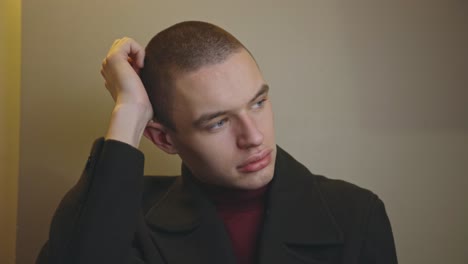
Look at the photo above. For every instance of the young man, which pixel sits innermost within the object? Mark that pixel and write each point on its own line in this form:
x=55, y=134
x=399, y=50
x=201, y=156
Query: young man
x=197, y=92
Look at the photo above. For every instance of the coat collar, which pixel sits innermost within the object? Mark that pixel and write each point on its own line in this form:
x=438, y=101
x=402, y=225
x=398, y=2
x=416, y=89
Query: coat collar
x=186, y=228
x=181, y=208
x=296, y=200
x=296, y=214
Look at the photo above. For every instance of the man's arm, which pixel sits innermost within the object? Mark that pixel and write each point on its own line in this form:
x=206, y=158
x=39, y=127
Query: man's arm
x=97, y=219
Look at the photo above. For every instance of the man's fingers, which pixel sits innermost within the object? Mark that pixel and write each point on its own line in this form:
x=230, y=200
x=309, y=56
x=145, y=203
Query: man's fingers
x=102, y=68
x=125, y=48
x=135, y=52
x=135, y=67
x=115, y=42
x=106, y=84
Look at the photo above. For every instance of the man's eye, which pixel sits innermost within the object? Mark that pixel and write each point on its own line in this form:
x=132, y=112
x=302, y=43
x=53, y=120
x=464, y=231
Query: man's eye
x=260, y=103
x=217, y=125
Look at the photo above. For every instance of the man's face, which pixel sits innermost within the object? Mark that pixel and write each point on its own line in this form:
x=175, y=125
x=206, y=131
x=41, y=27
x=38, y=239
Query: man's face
x=224, y=123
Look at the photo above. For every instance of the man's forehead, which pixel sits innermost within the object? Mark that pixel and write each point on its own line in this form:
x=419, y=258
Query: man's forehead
x=195, y=104
x=232, y=82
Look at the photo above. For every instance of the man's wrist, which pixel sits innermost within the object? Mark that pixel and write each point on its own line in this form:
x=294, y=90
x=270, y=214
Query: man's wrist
x=128, y=123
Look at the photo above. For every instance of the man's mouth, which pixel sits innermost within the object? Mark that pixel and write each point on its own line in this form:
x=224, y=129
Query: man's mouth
x=256, y=162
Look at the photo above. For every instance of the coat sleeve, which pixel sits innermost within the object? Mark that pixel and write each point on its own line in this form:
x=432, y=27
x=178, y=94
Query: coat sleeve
x=96, y=220
x=379, y=245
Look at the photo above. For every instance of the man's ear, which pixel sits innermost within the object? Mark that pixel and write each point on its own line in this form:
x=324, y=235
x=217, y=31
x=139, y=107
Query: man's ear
x=158, y=134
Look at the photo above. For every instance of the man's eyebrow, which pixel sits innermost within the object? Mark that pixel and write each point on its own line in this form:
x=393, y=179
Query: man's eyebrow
x=209, y=116
x=263, y=90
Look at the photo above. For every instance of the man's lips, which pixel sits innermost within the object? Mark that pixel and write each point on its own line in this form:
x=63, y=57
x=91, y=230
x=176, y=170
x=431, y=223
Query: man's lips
x=256, y=162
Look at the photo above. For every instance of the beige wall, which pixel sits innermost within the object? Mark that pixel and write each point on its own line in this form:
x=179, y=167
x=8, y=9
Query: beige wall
x=10, y=47
x=373, y=92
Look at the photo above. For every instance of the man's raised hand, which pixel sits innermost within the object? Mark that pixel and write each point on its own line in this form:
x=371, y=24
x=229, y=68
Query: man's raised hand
x=132, y=109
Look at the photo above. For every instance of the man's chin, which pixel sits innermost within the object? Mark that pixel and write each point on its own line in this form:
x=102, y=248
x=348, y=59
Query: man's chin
x=256, y=180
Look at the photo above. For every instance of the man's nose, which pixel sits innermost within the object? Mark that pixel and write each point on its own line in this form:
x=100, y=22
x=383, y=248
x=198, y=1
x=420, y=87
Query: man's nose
x=248, y=133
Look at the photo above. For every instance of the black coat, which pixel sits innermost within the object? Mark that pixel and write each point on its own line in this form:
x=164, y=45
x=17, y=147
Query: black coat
x=115, y=215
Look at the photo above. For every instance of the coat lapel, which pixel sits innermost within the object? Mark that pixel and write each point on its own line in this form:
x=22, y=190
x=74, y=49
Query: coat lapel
x=186, y=228
x=298, y=227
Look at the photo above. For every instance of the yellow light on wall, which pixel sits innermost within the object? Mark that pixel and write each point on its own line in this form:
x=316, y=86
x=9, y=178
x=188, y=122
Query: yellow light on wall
x=10, y=79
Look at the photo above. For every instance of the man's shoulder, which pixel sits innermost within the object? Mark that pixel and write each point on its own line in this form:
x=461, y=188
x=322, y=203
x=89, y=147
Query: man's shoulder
x=334, y=189
x=343, y=199
x=339, y=210
x=337, y=189
x=350, y=204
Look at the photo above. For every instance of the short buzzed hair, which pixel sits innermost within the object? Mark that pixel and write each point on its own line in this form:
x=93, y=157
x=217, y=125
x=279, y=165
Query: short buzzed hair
x=181, y=48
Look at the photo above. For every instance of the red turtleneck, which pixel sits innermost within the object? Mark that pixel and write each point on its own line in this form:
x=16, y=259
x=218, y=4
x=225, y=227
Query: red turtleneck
x=242, y=213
